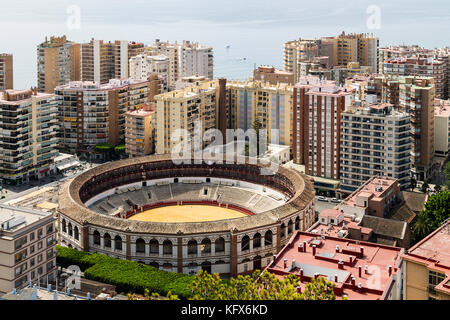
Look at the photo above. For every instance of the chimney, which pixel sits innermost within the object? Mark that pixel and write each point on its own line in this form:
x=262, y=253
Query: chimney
x=293, y=263
x=285, y=263
x=366, y=269
x=340, y=264
x=300, y=247
x=301, y=275
x=304, y=246
x=360, y=271
x=360, y=287
x=350, y=259
x=314, y=250
x=390, y=270
x=337, y=248
x=361, y=250
x=335, y=278
x=353, y=281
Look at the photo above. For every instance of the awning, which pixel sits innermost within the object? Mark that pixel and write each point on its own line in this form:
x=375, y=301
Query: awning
x=68, y=165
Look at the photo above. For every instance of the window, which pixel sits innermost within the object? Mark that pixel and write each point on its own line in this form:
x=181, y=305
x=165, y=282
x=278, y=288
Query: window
x=20, y=256
x=49, y=253
x=40, y=234
x=40, y=245
x=32, y=262
x=50, y=228
x=19, y=243
x=20, y=269
x=40, y=270
x=49, y=265
x=39, y=258
x=32, y=236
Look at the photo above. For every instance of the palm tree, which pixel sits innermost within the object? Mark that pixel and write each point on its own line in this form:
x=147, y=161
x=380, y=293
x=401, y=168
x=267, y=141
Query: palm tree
x=422, y=226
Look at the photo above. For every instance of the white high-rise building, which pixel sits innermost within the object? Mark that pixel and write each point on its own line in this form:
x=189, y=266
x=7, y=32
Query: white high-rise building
x=142, y=65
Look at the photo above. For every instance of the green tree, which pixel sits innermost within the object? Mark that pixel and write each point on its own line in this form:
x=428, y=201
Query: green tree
x=447, y=174
x=437, y=210
x=257, y=126
x=259, y=286
x=413, y=184
x=425, y=187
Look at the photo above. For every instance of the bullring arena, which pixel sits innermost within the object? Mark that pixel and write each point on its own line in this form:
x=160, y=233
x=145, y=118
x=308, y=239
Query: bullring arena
x=222, y=218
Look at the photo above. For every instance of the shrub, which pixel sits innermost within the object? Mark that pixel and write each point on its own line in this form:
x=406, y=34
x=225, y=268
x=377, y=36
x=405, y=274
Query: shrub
x=127, y=276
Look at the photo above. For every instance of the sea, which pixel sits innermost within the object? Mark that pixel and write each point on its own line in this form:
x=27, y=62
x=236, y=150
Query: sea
x=243, y=33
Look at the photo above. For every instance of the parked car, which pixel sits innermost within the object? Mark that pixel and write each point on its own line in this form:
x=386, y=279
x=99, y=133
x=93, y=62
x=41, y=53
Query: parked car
x=335, y=200
x=322, y=198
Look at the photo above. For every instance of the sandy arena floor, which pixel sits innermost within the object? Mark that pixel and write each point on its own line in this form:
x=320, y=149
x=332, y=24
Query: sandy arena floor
x=187, y=213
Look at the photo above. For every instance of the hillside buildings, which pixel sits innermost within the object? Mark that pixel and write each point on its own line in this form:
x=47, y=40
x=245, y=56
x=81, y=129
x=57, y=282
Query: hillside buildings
x=28, y=135
x=91, y=113
x=375, y=141
x=58, y=62
x=27, y=239
x=6, y=71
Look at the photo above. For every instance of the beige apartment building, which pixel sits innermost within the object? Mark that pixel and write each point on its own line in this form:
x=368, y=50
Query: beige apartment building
x=27, y=248
x=58, y=62
x=417, y=98
x=182, y=109
x=423, y=67
x=143, y=65
x=375, y=141
x=28, y=135
x=90, y=113
x=317, y=109
x=270, y=104
x=273, y=75
x=442, y=128
x=427, y=267
x=6, y=71
x=139, y=129
x=340, y=50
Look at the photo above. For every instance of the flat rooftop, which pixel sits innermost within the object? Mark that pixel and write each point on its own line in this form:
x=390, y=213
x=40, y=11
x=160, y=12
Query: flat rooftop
x=363, y=261
x=15, y=218
x=373, y=188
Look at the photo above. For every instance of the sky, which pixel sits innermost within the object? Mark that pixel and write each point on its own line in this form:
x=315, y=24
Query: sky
x=254, y=30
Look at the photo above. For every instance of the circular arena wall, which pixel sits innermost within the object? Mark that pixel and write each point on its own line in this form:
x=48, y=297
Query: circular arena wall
x=230, y=246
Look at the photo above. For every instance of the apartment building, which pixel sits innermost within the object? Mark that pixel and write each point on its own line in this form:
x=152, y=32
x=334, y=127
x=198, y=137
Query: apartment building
x=183, y=109
x=423, y=67
x=317, y=109
x=6, y=71
x=417, y=98
x=341, y=73
x=185, y=59
x=142, y=65
x=102, y=61
x=90, y=113
x=28, y=135
x=270, y=105
x=27, y=242
x=427, y=267
x=340, y=50
x=58, y=62
x=139, y=129
x=375, y=141
x=377, y=87
x=429, y=64
x=273, y=75
x=442, y=127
